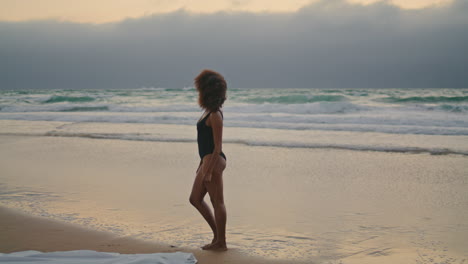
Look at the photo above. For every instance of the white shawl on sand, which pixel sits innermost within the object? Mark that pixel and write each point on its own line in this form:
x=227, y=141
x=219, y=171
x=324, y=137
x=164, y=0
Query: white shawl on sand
x=89, y=256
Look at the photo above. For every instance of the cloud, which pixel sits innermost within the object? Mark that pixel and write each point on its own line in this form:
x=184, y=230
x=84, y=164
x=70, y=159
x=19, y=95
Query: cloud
x=330, y=43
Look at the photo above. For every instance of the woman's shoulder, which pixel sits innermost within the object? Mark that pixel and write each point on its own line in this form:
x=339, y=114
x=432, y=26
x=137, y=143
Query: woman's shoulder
x=218, y=113
x=216, y=116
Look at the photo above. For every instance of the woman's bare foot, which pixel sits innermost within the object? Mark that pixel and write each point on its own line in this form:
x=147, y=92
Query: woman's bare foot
x=207, y=245
x=216, y=246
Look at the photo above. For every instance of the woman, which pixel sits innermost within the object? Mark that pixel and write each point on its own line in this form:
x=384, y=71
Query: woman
x=211, y=88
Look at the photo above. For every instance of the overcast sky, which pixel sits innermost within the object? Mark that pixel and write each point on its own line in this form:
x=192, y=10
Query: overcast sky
x=329, y=43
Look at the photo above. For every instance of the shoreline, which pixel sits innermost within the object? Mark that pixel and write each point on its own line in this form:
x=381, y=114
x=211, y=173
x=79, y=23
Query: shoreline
x=21, y=232
x=361, y=141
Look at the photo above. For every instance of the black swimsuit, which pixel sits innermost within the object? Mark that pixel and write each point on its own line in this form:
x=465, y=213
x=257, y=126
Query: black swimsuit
x=205, y=138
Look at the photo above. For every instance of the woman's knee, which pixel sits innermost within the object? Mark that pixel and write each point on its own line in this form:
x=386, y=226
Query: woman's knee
x=219, y=208
x=217, y=202
x=194, y=201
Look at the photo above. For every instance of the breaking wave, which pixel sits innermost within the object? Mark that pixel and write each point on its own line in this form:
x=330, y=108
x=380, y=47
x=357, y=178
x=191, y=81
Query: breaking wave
x=426, y=99
x=59, y=99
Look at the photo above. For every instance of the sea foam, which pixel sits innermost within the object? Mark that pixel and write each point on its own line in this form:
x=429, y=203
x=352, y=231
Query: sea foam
x=393, y=111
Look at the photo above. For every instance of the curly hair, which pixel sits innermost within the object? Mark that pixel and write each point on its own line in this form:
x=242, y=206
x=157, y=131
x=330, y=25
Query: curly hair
x=211, y=88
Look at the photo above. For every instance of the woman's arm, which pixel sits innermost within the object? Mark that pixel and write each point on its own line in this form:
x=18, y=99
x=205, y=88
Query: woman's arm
x=216, y=123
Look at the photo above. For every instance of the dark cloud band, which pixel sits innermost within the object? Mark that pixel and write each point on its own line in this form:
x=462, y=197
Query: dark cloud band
x=326, y=44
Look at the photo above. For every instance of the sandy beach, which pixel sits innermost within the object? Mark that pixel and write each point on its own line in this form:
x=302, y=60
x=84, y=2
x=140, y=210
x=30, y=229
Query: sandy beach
x=284, y=205
x=20, y=232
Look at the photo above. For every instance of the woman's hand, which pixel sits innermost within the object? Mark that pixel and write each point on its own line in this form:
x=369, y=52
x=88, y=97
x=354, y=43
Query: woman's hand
x=208, y=172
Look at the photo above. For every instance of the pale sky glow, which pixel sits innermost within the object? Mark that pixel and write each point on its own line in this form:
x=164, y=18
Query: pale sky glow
x=102, y=11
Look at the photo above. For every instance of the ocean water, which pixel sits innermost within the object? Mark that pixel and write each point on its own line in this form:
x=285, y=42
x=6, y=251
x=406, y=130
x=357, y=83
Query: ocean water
x=398, y=120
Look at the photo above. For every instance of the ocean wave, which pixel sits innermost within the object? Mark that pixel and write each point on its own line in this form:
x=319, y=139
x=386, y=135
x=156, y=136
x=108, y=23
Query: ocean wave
x=380, y=128
x=308, y=108
x=295, y=99
x=395, y=149
x=59, y=99
x=86, y=109
x=436, y=125
x=454, y=108
x=107, y=107
x=255, y=143
x=441, y=108
x=355, y=110
x=425, y=99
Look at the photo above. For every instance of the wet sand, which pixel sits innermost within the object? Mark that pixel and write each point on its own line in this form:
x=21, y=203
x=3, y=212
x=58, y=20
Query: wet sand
x=286, y=205
x=21, y=232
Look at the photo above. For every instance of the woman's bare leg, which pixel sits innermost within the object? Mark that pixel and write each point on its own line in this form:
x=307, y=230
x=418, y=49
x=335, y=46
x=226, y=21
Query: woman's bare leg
x=196, y=199
x=215, y=190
